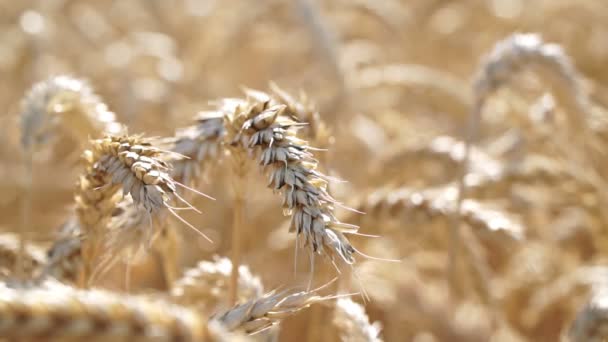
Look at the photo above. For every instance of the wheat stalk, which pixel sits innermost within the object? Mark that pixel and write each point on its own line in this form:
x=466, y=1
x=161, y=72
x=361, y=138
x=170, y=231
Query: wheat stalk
x=353, y=324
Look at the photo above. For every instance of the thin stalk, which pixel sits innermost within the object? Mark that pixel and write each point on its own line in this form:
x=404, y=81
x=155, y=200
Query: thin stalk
x=26, y=210
x=455, y=239
x=237, y=223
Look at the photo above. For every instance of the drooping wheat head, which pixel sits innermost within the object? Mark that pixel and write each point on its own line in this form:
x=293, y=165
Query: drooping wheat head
x=263, y=127
x=63, y=104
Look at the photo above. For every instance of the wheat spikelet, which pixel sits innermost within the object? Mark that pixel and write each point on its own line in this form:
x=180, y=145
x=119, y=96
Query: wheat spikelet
x=205, y=286
x=261, y=126
x=32, y=258
x=353, y=323
x=304, y=110
x=63, y=101
x=262, y=313
x=55, y=311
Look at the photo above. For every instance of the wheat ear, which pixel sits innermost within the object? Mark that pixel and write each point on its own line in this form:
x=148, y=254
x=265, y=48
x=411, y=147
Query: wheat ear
x=55, y=311
x=190, y=150
x=262, y=126
x=353, y=324
x=262, y=313
x=63, y=102
x=205, y=286
x=129, y=163
x=57, y=104
x=509, y=56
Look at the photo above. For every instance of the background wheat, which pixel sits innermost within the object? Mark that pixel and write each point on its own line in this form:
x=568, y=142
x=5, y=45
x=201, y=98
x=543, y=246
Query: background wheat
x=409, y=102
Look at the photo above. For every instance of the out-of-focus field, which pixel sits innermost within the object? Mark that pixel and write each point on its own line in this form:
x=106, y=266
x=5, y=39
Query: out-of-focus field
x=393, y=82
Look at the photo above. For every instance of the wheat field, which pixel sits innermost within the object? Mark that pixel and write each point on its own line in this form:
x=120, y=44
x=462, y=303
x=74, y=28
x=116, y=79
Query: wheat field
x=305, y=170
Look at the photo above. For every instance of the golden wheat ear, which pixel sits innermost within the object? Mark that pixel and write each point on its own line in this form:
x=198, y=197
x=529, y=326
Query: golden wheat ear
x=117, y=166
x=264, y=126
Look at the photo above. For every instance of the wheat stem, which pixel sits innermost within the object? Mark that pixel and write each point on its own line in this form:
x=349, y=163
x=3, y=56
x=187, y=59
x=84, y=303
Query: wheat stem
x=237, y=226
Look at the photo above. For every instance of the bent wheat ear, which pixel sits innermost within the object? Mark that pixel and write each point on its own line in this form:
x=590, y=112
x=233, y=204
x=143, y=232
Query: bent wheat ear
x=63, y=101
x=262, y=126
x=62, y=312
